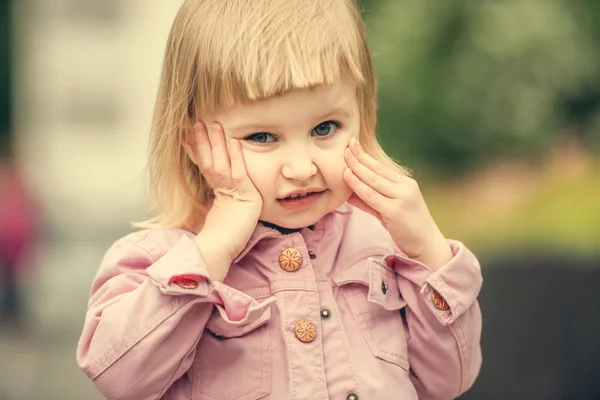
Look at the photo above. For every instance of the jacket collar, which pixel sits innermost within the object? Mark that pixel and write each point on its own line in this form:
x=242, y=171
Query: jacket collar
x=264, y=230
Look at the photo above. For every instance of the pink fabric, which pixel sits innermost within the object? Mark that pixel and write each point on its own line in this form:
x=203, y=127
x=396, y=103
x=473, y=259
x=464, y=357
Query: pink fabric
x=146, y=339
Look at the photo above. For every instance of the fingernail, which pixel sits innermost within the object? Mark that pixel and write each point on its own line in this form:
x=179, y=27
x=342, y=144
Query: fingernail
x=348, y=152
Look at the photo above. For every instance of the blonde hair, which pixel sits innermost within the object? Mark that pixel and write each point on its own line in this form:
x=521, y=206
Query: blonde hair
x=225, y=52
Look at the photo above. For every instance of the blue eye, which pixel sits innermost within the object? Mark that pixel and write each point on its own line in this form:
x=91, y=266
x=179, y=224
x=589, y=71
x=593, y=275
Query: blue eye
x=326, y=128
x=261, y=137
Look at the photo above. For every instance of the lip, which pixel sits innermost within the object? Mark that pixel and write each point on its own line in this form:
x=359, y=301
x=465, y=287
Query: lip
x=302, y=191
x=301, y=203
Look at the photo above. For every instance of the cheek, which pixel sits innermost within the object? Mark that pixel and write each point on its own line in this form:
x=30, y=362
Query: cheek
x=259, y=171
x=332, y=169
x=336, y=166
x=332, y=165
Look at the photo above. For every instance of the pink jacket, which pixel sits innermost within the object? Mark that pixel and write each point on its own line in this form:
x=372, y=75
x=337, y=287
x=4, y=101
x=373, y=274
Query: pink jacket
x=334, y=312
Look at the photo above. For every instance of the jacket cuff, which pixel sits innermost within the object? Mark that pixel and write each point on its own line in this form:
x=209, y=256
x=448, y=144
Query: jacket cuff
x=182, y=270
x=449, y=291
x=238, y=312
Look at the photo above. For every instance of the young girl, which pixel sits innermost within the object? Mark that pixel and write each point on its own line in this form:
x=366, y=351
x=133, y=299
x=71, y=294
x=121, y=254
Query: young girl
x=289, y=257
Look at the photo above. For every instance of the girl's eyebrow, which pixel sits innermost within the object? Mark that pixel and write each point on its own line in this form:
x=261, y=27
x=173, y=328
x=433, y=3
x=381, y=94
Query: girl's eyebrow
x=262, y=127
x=340, y=111
x=245, y=128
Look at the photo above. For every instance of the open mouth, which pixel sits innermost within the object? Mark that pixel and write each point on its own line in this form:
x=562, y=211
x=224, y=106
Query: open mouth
x=296, y=196
x=300, y=201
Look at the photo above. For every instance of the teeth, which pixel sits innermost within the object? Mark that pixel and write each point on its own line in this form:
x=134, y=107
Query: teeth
x=298, y=195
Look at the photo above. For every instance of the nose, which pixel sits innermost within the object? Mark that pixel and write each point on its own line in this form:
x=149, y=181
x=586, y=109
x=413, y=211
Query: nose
x=298, y=166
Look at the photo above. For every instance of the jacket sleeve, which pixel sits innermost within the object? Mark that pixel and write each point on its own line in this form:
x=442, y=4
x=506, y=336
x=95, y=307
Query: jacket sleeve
x=444, y=349
x=141, y=328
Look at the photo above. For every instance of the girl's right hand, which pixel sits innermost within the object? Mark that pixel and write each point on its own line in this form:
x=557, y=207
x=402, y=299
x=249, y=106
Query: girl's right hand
x=237, y=204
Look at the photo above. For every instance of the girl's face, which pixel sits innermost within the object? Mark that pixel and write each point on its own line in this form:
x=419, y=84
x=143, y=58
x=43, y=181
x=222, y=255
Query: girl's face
x=296, y=141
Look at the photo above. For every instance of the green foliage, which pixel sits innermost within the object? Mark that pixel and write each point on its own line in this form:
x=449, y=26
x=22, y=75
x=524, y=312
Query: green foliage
x=561, y=217
x=466, y=82
x=5, y=71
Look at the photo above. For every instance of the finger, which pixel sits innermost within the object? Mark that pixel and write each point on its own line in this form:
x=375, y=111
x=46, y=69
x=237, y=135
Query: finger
x=221, y=163
x=370, y=177
x=371, y=163
x=203, y=152
x=366, y=193
x=239, y=174
x=358, y=203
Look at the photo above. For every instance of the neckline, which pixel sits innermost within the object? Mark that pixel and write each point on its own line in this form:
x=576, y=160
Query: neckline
x=285, y=231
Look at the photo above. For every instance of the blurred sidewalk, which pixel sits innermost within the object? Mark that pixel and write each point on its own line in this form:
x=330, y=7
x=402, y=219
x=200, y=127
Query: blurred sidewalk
x=41, y=368
x=38, y=361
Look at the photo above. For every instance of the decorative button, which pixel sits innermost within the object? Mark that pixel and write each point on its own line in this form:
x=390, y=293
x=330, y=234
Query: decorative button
x=306, y=331
x=352, y=396
x=312, y=255
x=325, y=313
x=290, y=260
x=184, y=281
x=384, y=287
x=439, y=302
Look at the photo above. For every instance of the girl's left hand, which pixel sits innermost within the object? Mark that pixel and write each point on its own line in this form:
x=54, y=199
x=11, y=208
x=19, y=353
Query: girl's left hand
x=397, y=202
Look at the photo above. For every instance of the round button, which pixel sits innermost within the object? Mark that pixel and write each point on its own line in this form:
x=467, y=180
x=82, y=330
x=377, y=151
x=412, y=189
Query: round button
x=306, y=331
x=290, y=260
x=384, y=287
x=312, y=255
x=439, y=302
x=352, y=396
x=325, y=313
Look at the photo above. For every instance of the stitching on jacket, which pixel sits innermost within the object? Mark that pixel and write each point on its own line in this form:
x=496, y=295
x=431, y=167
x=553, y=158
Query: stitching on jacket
x=346, y=344
x=117, y=351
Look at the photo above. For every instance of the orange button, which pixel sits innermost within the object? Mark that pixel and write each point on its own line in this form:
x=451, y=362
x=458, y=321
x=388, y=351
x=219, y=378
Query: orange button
x=185, y=281
x=439, y=302
x=290, y=260
x=306, y=331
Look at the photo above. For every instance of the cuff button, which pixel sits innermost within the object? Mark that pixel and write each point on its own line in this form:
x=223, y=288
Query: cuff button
x=184, y=282
x=439, y=302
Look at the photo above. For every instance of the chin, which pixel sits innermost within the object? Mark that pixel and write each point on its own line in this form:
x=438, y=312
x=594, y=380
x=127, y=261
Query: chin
x=296, y=222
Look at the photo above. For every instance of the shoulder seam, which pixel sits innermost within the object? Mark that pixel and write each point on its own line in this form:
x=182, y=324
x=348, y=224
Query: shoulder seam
x=137, y=242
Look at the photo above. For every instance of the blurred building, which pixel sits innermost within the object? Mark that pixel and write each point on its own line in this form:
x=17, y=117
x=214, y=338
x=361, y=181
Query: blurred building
x=86, y=74
x=84, y=78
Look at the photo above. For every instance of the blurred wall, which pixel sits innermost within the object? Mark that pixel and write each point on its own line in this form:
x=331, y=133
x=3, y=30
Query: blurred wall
x=85, y=78
x=86, y=74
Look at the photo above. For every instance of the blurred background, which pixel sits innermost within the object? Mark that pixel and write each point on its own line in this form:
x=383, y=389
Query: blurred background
x=494, y=105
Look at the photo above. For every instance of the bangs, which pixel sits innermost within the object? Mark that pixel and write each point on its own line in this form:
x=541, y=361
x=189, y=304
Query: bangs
x=253, y=49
